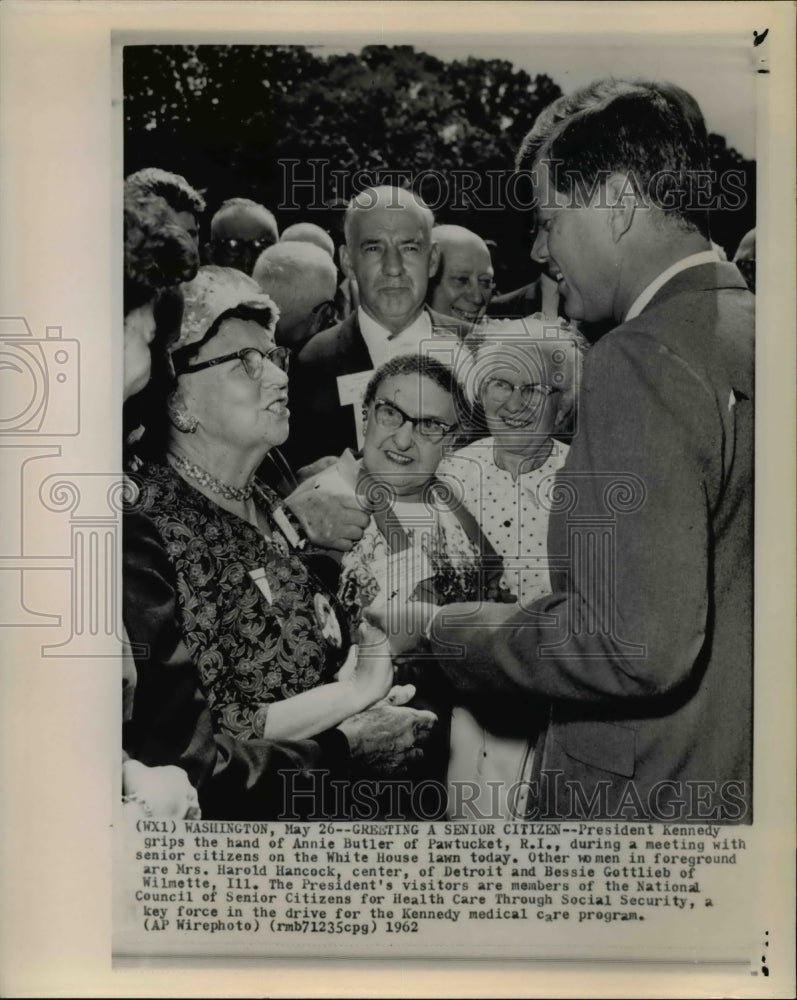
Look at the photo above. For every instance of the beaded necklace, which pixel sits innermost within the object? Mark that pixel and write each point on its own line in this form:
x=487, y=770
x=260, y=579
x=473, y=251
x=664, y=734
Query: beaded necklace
x=204, y=478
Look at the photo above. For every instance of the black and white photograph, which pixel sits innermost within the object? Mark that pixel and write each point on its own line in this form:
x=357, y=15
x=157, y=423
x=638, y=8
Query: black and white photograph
x=429, y=540
x=597, y=507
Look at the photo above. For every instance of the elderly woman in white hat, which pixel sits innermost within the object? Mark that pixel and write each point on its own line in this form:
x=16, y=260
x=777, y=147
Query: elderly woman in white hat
x=523, y=376
x=270, y=643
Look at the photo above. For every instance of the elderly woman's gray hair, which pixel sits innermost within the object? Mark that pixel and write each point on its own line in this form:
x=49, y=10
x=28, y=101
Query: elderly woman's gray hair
x=539, y=350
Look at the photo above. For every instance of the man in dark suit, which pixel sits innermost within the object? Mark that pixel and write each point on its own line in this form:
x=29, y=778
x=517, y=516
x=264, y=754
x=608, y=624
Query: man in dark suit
x=390, y=253
x=644, y=649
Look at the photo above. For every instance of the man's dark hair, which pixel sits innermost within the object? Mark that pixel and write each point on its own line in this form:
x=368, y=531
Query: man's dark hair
x=595, y=94
x=652, y=132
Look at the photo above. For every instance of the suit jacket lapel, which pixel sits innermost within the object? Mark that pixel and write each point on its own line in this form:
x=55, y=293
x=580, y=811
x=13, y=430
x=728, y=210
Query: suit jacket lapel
x=351, y=354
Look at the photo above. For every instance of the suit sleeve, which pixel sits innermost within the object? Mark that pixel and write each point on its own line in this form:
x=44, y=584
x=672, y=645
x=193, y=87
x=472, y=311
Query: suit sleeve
x=318, y=423
x=629, y=547
x=171, y=722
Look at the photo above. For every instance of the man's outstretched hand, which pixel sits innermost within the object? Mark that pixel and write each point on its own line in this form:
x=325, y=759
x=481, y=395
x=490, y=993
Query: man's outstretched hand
x=332, y=519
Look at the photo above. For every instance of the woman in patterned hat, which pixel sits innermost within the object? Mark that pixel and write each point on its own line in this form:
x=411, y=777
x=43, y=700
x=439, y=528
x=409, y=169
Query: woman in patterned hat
x=272, y=649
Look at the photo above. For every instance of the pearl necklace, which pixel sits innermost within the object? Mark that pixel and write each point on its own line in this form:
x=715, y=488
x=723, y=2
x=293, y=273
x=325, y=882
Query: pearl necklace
x=204, y=478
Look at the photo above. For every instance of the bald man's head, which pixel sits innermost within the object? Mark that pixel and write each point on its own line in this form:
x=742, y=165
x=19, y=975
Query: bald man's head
x=389, y=250
x=239, y=232
x=309, y=232
x=299, y=277
x=463, y=284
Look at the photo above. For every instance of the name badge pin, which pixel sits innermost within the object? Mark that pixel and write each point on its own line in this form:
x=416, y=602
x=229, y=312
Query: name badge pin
x=258, y=577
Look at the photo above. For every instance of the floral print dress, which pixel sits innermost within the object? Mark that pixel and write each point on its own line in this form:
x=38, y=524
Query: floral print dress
x=259, y=624
x=420, y=551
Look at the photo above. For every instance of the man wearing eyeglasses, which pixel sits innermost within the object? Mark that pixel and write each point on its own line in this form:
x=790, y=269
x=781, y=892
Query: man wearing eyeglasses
x=239, y=232
x=391, y=254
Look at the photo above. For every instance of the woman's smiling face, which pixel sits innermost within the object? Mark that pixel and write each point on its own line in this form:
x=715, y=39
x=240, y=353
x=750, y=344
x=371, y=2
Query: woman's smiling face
x=520, y=407
x=403, y=457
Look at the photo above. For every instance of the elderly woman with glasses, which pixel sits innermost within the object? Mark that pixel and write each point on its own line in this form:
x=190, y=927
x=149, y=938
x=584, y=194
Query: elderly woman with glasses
x=272, y=648
x=421, y=544
x=522, y=376
x=418, y=543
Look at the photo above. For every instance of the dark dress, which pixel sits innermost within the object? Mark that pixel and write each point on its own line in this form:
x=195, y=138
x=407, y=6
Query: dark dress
x=179, y=584
x=257, y=621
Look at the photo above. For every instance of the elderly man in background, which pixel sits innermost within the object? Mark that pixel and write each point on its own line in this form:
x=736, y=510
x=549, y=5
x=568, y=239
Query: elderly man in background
x=301, y=279
x=463, y=284
x=390, y=252
x=239, y=232
x=647, y=661
x=309, y=232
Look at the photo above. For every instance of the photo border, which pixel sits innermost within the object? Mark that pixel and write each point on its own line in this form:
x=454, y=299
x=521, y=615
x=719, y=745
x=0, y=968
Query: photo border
x=55, y=75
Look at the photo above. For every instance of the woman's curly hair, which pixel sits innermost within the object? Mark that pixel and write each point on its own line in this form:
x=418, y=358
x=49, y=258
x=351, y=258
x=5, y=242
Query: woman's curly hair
x=158, y=251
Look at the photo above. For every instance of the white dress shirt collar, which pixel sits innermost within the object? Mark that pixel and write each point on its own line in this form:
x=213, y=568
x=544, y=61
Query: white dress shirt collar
x=383, y=345
x=693, y=260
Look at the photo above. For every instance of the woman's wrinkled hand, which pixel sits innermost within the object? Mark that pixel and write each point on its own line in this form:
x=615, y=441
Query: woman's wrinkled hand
x=386, y=739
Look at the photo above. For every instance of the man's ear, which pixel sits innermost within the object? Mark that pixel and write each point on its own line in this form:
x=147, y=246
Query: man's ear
x=345, y=261
x=622, y=201
x=434, y=259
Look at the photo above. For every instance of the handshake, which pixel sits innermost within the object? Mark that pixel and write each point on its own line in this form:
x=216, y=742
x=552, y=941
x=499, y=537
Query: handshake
x=385, y=738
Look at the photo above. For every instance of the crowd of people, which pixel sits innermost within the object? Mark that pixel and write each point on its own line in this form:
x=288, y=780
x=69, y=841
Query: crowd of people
x=398, y=546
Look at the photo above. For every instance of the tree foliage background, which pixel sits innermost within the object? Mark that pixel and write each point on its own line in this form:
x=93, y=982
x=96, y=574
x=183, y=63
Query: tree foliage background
x=244, y=120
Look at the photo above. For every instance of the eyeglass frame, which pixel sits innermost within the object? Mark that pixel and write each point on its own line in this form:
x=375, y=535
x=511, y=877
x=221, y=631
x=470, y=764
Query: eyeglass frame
x=379, y=404
x=530, y=387
x=183, y=367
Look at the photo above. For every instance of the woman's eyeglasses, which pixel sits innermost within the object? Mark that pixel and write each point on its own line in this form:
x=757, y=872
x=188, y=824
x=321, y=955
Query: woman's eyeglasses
x=253, y=360
x=499, y=390
x=389, y=415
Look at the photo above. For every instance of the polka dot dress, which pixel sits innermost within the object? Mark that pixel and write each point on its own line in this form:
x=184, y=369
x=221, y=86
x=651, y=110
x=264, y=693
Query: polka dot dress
x=510, y=512
x=513, y=515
